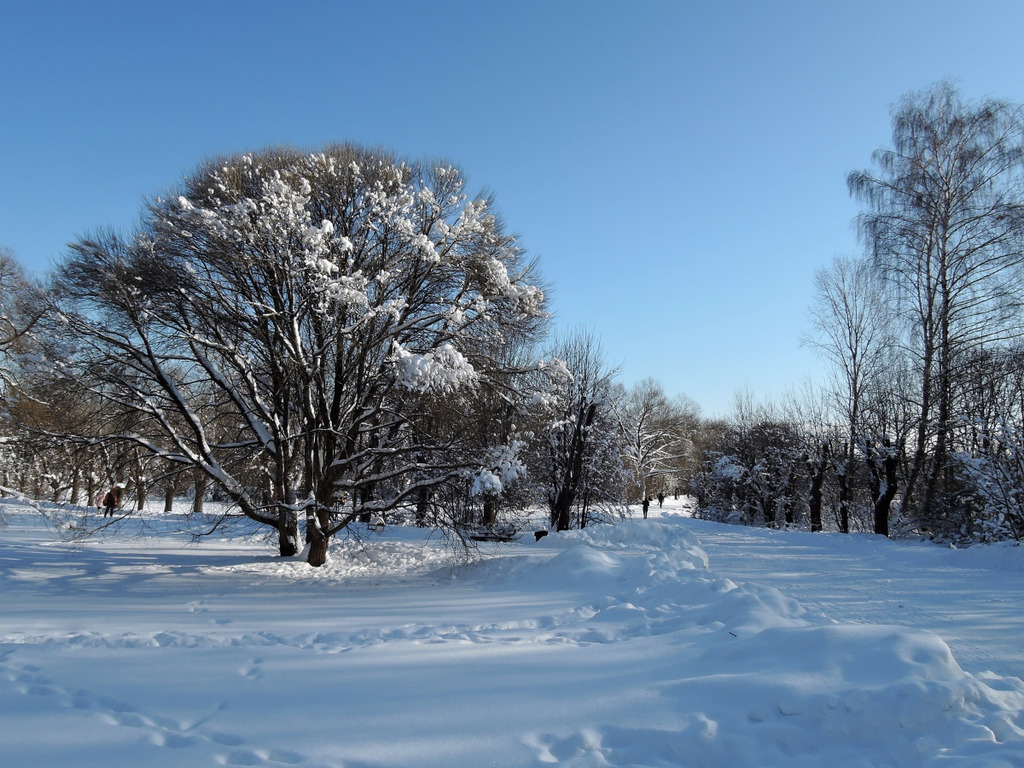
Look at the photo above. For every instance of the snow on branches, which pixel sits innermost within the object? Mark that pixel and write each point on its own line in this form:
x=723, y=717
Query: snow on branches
x=392, y=220
x=442, y=371
x=504, y=467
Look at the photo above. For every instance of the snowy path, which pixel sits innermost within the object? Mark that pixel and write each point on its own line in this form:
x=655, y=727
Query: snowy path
x=956, y=594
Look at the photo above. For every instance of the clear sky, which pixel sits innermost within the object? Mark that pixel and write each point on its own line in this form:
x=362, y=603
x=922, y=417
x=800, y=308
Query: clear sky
x=679, y=167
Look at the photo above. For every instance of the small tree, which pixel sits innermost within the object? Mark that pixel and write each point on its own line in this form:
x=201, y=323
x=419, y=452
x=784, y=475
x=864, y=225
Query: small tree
x=21, y=306
x=993, y=486
x=578, y=453
x=851, y=330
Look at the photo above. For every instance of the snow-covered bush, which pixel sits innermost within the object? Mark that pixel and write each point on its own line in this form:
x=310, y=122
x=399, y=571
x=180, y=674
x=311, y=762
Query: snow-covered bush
x=759, y=478
x=718, y=489
x=991, y=503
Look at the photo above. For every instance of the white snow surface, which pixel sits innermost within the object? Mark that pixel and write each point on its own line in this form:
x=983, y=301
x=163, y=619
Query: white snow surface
x=661, y=642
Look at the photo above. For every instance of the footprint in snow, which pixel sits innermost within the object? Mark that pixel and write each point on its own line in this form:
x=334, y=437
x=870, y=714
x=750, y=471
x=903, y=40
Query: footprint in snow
x=163, y=732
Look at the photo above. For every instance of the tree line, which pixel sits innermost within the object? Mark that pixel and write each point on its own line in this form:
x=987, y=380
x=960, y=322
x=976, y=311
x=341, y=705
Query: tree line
x=330, y=337
x=919, y=427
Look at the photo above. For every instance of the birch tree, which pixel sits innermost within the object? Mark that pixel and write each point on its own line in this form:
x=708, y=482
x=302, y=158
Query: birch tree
x=851, y=330
x=945, y=223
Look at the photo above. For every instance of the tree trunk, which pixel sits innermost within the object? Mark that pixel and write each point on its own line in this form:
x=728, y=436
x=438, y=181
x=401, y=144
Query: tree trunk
x=845, y=496
x=76, y=488
x=560, y=510
x=317, y=523
x=845, y=490
x=287, y=532
x=200, y=491
x=889, y=464
x=490, y=512
x=422, y=506
x=365, y=497
x=317, y=555
x=929, y=502
x=90, y=490
x=817, y=481
x=921, y=446
x=883, y=465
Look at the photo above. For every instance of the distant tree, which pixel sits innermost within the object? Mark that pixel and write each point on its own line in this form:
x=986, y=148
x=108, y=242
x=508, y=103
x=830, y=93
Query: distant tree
x=686, y=460
x=945, y=224
x=851, y=329
x=494, y=415
x=578, y=455
x=758, y=472
x=989, y=456
x=776, y=477
x=708, y=439
x=990, y=391
x=655, y=431
x=758, y=478
x=304, y=313
x=810, y=414
x=992, y=492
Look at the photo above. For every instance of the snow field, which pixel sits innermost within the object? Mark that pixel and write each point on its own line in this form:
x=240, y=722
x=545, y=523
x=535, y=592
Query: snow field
x=615, y=646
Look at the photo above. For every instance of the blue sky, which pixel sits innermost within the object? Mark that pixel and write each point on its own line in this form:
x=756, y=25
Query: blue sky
x=679, y=167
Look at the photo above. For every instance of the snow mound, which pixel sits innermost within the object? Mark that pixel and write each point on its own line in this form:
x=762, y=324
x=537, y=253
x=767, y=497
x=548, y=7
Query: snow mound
x=378, y=560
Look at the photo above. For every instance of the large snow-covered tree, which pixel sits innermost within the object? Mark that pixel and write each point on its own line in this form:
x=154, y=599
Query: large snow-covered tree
x=306, y=315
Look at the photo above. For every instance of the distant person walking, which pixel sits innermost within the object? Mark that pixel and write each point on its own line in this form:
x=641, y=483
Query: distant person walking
x=647, y=504
x=112, y=499
x=661, y=499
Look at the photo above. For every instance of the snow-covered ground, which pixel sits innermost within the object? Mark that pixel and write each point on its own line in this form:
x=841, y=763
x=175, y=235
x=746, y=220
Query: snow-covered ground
x=659, y=642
